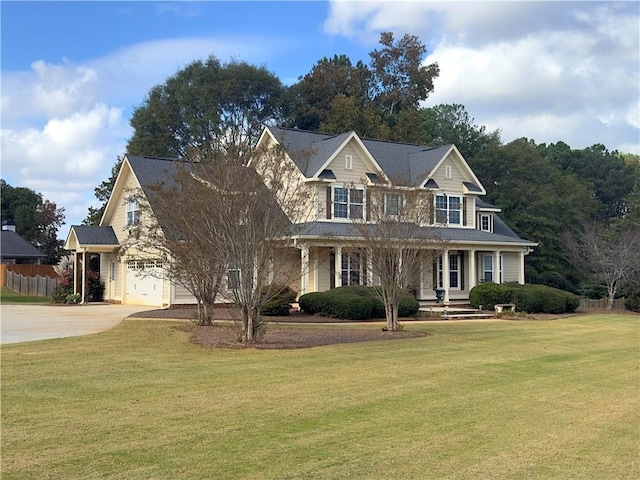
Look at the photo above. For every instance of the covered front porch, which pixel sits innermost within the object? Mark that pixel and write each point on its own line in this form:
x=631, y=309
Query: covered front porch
x=454, y=271
x=84, y=241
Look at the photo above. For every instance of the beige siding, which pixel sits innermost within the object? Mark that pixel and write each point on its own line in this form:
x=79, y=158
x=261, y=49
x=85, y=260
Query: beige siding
x=360, y=166
x=118, y=219
x=182, y=296
x=449, y=185
x=324, y=270
x=510, y=266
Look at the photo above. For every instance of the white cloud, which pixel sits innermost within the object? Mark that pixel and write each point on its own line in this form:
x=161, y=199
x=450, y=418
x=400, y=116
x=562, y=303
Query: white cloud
x=546, y=70
x=64, y=124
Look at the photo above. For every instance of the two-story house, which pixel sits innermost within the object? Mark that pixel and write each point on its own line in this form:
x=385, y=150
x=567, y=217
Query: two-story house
x=338, y=170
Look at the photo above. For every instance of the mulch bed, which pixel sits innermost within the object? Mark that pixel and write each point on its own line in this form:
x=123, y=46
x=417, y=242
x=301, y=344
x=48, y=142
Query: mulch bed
x=277, y=336
x=290, y=337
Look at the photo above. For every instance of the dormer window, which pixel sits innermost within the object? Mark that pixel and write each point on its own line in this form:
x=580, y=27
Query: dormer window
x=485, y=223
x=348, y=162
x=448, y=209
x=133, y=211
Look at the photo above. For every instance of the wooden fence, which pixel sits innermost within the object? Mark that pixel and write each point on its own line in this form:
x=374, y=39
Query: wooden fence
x=618, y=303
x=35, y=286
x=26, y=270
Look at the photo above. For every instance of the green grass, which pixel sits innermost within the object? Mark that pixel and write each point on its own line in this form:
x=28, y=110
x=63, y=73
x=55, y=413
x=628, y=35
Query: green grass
x=9, y=297
x=525, y=399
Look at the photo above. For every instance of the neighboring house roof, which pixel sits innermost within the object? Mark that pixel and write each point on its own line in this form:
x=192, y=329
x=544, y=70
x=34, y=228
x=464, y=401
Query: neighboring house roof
x=14, y=246
x=503, y=235
x=403, y=163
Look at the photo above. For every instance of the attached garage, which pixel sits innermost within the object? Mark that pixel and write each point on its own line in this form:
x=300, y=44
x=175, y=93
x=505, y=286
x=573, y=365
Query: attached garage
x=144, y=283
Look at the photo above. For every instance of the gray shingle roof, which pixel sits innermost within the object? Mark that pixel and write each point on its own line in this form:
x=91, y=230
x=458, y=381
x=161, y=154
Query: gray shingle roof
x=346, y=230
x=90, y=235
x=14, y=246
x=403, y=163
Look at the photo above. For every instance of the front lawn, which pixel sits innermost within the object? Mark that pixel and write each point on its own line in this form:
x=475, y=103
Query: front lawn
x=524, y=399
x=9, y=297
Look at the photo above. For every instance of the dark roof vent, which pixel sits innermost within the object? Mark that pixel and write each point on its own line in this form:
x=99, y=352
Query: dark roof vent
x=431, y=183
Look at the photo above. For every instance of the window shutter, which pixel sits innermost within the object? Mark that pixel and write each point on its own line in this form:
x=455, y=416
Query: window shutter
x=367, y=205
x=464, y=211
x=329, y=202
x=434, y=271
x=462, y=258
x=332, y=268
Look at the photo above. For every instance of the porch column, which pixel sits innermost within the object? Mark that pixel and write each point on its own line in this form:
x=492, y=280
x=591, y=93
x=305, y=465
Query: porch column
x=496, y=266
x=76, y=272
x=369, y=268
x=521, y=270
x=338, y=266
x=83, y=299
x=473, y=277
x=304, y=267
x=445, y=274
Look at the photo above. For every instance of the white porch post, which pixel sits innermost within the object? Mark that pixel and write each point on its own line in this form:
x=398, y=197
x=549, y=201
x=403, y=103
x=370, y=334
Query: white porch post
x=445, y=274
x=473, y=277
x=304, y=266
x=369, y=268
x=76, y=273
x=496, y=266
x=521, y=270
x=83, y=299
x=338, y=266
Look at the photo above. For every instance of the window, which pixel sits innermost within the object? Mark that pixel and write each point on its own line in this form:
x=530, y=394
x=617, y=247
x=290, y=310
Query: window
x=348, y=202
x=392, y=202
x=448, y=209
x=488, y=274
x=133, y=211
x=352, y=269
x=233, y=276
x=485, y=223
x=454, y=271
x=348, y=162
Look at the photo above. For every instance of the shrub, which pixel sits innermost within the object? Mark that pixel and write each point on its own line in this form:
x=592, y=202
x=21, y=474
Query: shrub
x=527, y=298
x=632, y=299
x=95, y=288
x=65, y=287
x=353, y=303
x=280, y=304
x=553, y=279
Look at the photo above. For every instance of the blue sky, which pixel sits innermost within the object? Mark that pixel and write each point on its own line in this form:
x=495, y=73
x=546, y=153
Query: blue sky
x=73, y=71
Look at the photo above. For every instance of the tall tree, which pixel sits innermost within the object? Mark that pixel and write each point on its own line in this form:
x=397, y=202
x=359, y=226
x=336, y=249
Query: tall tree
x=537, y=200
x=312, y=99
x=205, y=109
x=451, y=123
x=400, y=80
x=36, y=219
x=103, y=192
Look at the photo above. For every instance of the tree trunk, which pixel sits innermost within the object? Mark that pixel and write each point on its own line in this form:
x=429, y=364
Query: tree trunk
x=245, y=324
x=391, y=311
x=612, y=296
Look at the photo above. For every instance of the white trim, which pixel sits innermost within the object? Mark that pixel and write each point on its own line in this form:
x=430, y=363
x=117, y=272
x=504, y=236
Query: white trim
x=348, y=162
x=465, y=166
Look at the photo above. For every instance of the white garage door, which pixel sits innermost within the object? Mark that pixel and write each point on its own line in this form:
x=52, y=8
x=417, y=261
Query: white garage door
x=144, y=283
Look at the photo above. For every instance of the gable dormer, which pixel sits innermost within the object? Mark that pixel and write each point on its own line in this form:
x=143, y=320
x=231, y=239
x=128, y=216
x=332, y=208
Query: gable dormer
x=485, y=216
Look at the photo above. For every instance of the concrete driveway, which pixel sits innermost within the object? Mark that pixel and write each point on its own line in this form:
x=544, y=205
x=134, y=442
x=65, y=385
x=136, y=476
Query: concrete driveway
x=26, y=323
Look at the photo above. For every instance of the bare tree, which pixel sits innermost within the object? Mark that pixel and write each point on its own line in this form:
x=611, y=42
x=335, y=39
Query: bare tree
x=176, y=228
x=611, y=257
x=253, y=208
x=398, y=236
x=213, y=221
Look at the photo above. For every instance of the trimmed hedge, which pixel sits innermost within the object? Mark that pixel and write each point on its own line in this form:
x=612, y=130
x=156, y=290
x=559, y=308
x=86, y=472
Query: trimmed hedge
x=353, y=303
x=527, y=298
